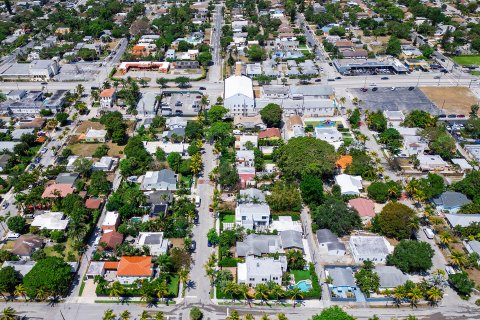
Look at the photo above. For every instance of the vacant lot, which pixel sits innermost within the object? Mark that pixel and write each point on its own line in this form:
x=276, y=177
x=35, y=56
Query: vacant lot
x=82, y=128
x=466, y=60
x=451, y=99
x=87, y=149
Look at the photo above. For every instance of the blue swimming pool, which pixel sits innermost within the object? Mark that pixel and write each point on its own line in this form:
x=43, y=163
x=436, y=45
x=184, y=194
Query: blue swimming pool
x=304, y=285
x=325, y=124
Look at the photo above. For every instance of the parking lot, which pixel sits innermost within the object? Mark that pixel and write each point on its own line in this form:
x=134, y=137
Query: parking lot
x=182, y=104
x=399, y=99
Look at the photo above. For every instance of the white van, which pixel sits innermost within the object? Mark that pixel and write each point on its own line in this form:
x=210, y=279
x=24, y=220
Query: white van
x=429, y=233
x=198, y=201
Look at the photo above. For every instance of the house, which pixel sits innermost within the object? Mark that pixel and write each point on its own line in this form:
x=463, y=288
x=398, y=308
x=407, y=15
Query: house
x=57, y=190
x=472, y=246
x=394, y=118
x=67, y=178
x=409, y=51
x=165, y=179
x=95, y=268
x=364, y=207
x=431, y=163
x=251, y=216
x=373, y=248
x=292, y=240
x=261, y=270
x=330, y=135
x=413, y=145
x=450, y=201
x=93, y=135
x=241, y=141
x=247, y=176
x=168, y=147
x=285, y=223
x=71, y=162
x=462, y=164
x=270, y=134
x=251, y=195
x=187, y=64
x=50, y=220
x=390, y=277
x=155, y=241
x=349, y=185
x=259, y=245
x=107, y=98
x=253, y=122
x=176, y=123
x=238, y=96
x=8, y=145
x=4, y=161
x=342, y=280
x=170, y=54
x=105, y=164
x=295, y=127
x=111, y=221
x=131, y=269
x=463, y=220
x=93, y=203
x=22, y=266
x=344, y=161
x=110, y=240
x=246, y=158
x=18, y=133
x=26, y=244
x=329, y=241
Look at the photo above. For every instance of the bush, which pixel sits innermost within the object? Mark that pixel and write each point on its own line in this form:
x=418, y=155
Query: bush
x=462, y=283
x=16, y=224
x=196, y=314
x=228, y=262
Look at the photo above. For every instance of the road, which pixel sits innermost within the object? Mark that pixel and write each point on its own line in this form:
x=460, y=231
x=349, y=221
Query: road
x=199, y=289
x=215, y=70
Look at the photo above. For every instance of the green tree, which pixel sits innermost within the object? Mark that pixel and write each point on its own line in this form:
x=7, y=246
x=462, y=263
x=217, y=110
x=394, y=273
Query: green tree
x=354, y=118
x=87, y=54
x=109, y=315
x=16, y=224
x=311, y=188
x=346, y=219
x=213, y=237
x=284, y=197
x=182, y=82
x=174, y=160
x=205, y=58
x=367, y=280
x=419, y=119
x=305, y=156
x=383, y=191
x=256, y=53
x=216, y=113
x=228, y=175
x=295, y=260
x=196, y=314
x=398, y=221
x=101, y=151
x=51, y=275
x=393, y=46
x=411, y=256
x=99, y=185
x=272, y=115
x=162, y=82
x=62, y=118
x=9, y=279
x=160, y=154
x=333, y=313
x=8, y=314
x=377, y=121
x=462, y=283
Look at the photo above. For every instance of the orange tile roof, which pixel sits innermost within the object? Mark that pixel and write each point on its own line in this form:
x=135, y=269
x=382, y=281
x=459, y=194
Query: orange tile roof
x=344, y=161
x=110, y=265
x=107, y=93
x=112, y=239
x=63, y=189
x=269, y=133
x=93, y=203
x=135, y=267
x=41, y=139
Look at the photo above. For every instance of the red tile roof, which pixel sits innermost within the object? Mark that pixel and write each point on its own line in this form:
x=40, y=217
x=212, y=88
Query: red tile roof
x=110, y=265
x=63, y=190
x=112, y=239
x=135, y=267
x=107, y=93
x=93, y=203
x=365, y=207
x=270, y=133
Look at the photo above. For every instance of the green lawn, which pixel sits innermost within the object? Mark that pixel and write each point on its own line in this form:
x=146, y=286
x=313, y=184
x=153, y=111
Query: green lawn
x=300, y=275
x=475, y=73
x=228, y=218
x=466, y=60
x=173, y=286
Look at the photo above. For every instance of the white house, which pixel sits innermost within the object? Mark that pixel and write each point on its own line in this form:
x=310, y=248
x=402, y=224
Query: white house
x=328, y=241
x=163, y=180
x=261, y=270
x=238, y=96
x=93, y=135
x=107, y=98
x=330, y=135
x=111, y=221
x=250, y=215
x=105, y=164
x=50, y=220
x=168, y=147
x=374, y=248
x=431, y=162
x=243, y=139
x=349, y=185
x=155, y=241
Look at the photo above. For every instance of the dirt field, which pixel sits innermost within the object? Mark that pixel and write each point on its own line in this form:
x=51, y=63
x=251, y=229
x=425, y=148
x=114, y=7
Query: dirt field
x=82, y=128
x=451, y=99
x=87, y=149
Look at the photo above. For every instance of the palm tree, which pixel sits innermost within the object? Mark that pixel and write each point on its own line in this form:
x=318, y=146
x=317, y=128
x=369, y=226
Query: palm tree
x=445, y=238
x=108, y=315
x=243, y=290
x=20, y=291
x=262, y=292
x=415, y=295
x=159, y=316
x=342, y=100
x=125, y=315
x=145, y=315
x=8, y=314
x=265, y=317
x=458, y=258
x=277, y=291
x=249, y=316
x=434, y=294
x=295, y=294
x=116, y=290
x=233, y=315
x=41, y=294
x=161, y=289
x=183, y=278
x=282, y=316
x=79, y=90
x=231, y=289
x=399, y=294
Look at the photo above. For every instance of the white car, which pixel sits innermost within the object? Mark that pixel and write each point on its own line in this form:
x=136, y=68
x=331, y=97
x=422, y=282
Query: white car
x=44, y=150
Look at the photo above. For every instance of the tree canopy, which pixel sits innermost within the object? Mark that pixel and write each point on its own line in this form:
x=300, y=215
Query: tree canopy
x=305, y=156
x=411, y=256
x=377, y=121
x=382, y=191
x=333, y=313
x=272, y=115
x=284, y=197
x=470, y=186
x=419, y=119
x=9, y=279
x=346, y=219
x=397, y=221
x=311, y=188
x=51, y=275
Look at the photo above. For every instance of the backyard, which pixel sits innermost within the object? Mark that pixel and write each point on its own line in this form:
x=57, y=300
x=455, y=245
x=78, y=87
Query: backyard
x=467, y=60
x=88, y=149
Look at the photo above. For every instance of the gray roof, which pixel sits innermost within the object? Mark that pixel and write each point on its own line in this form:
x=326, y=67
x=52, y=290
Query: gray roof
x=326, y=236
x=366, y=245
x=254, y=208
x=336, y=246
x=450, y=199
x=312, y=90
x=257, y=245
x=18, y=133
x=178, y=131
x=291, y=239
x=463, y=220
x=342, y=277
x=21, y=266
x=66, y=178
x=8, y=145
x=390, y=277
x=161, y=180
x=253, y=193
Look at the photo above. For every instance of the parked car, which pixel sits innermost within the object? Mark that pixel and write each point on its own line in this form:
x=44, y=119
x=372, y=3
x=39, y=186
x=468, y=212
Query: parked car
x=5, y=205
x=193, y=246
x=44, y=150
x=318, y=80
x=437, y=77
x=384, y=78
x=452, y=116
x=411, y=88
x=203, y=88
x=460, y=116
x=374, y=89
x=338, y=78
x=364, y=89
x=442, y=116
x=330, y=79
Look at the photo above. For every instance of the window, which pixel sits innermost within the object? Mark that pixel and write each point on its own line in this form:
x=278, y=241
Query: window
x=252, y=279
x=264, y=217
x=244, y=218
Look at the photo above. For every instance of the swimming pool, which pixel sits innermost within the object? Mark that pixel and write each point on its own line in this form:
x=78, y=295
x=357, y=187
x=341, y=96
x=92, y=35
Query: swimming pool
x=325, y=124
x=304, y=285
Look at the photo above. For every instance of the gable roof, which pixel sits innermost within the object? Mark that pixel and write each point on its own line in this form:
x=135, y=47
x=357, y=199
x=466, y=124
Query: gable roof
x=342, y=277
x=93, y=203
x=364, y=207
x=450, y=199
x=107, y=93
x=269, y=133
x=344, y=161
x=135, y=267
x=112, y=239
x=63, y=190
x=26, y=244
x=291, y=239
x=326, y=236
x=390, y=277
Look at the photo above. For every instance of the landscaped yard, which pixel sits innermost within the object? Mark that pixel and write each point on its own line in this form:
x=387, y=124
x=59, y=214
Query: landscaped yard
x=467, y=60
x=87, y=149
x=173, y=286
x=228, y=218
x=50, y=251
x=300, y=275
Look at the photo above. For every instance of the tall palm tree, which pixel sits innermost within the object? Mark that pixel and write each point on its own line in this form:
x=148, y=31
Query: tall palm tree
x=295, y=294
x=265, y=317
x=342, y=100
x=183, y=278
x=233, y=315
x=159, y=316
x=79, y=90
x=108, y=315
x=445, y=238
x=262, y=292
x=399, y=294
x=162, y=289
x=282, y=316
x=20, y=291
x=243, y=290
x=116, y=290
x=415, y=295
x=458, y=258
x=144, y=315
x=231, y=289
x=125, y=315
x=41, y=294
x=434, y=294
x=249, y=316
x=8, y=314
x=278, y=292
